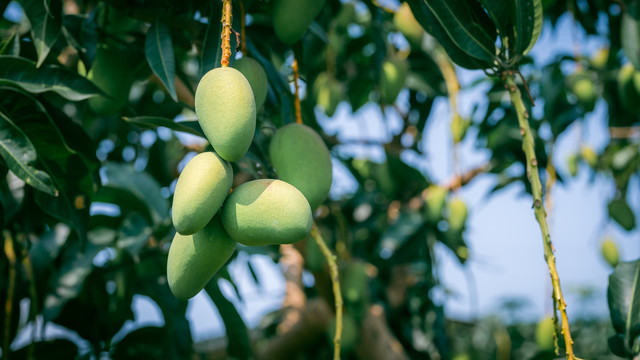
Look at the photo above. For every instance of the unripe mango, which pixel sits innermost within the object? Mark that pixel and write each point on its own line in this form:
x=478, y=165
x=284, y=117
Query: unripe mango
x=266, y=211
x=435, y=198
x=392, y=78
x=201, y=188
x=599, y=58
x=544, y=334
x=355, y=282
x=302, y=159
x=226, y=111
x=458, y=214
x=327, y=92
x=629, y=88
x=108, y=62
x=572, y=164
x=257, y=77
x=610, y=253
x=194, y=259
x=291, y=18
x=585, y=92
x=589, y=156
x=404, y=21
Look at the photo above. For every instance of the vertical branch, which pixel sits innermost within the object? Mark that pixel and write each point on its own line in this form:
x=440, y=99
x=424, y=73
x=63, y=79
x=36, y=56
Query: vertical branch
x=335, y=281
x=226, y=33
x=243, y=41
x=296, y=75
x=8, y=306
x=538, y=205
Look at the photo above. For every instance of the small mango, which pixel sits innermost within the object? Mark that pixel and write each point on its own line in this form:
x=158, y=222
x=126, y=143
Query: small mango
x=609, y=252
x=257, y=77
x=301, y=158
x=585, y=92
x=194, y=259
x=110, y=61
x=291, y=18
x=201, y=188
x=629, y=88
x=327, y=92
x=226, y=111
x=544, y=334
x=265, y=212
x=457, y=214
x=392, y=78
x=435, y=198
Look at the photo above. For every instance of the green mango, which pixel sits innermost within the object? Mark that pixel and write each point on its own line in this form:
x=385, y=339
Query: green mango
x=112, y=73
x=629, y=88
x=194, y=259
x=585, y=92
x=609, y=252
x=457, y=215
x=435, y=198
x=291, y=18
x=226, y=111
x=265, y=212
x=572, y=164
x=257, y=77
x=201, y=188
x=589, y=156
x=544, y=334
x=355, y=282
x=599, y=58
x=301, y=158
x=404, y=21
x=392, y=78
x=327, y=92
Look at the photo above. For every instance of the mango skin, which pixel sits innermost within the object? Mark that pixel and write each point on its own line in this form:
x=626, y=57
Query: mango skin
x=226, y=111
x=194, y=259
x=291, y=18
x=458, y=214
x=201, y=188
x=392, y=78
x=302, y=159
x=609, y=252
x=266, y=212
x=328, y=93
x=257, y=77
x=585, y=92
x=110, y=61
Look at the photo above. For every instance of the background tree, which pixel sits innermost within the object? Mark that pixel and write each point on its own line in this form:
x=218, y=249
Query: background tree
x=95, y=99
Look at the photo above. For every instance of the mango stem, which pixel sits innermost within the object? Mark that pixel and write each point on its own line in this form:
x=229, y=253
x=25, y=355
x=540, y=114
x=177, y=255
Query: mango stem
x=226, y=33
x=296, y=75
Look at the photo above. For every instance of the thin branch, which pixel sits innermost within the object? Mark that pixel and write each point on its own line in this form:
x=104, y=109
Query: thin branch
x=226, y=33
x=335, y=280
x=296, y=76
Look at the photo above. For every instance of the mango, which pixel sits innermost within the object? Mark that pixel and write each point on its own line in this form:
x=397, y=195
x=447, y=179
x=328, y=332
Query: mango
x=392, y=77
x=404, y=21
x=629, y=88
x=435, y=198
x=265, y=212
x=585, y=92
x=589, y=155
x=355, y=282
x=573, y=163
x=327, y=92
x=599, y=58
x=302, y=159
x=110, y=61
x=226, y=111
x=544, y=334
x=194, y=259
x=291, y=18
x=257, y=77
x=457, y=214
x=609, y=252
x=201, y=188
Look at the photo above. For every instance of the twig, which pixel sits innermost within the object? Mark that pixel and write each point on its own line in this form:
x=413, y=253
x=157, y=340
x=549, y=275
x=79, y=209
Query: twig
x=8, y=306
x=296, y=75
x=538, y=205
x=226, y=33
x=335, y=281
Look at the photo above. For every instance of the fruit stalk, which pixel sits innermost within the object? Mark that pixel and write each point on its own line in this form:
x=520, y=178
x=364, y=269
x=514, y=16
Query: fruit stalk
x=226, y=33
x=538, y=205
x=335, y=281
x=296, y=75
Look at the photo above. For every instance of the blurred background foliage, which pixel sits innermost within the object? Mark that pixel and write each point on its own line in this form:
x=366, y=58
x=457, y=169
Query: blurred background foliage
x=96, y=101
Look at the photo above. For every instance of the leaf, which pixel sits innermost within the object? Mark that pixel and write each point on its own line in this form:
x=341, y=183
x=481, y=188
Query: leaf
x=500, y=13
x=18, y=152
x=152, y=122
x=211, y=46
x=45, y=17
x=144, y=343
x=21, y=72
x=630, y=38
x=57, y=349
x=620, y=211
x=159, y=52
x=239, y=345
x=623, y=296
x=528, y=16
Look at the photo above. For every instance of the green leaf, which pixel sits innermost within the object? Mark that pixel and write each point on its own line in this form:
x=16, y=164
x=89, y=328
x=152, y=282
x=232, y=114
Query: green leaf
x=500, y=13
x=159, y=52
x=211, y=46
x=11, y=45
x=630, y=38
x=623, y=296
x=620, y=211
x=45, y=17
x=528, y=25
x=148, y=342
x=152, y=122
x=21, y=72
x=57, y=349
x=20, y=155
x=239, y=345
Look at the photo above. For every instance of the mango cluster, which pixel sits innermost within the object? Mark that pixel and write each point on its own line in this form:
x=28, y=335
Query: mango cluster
x=208, y=216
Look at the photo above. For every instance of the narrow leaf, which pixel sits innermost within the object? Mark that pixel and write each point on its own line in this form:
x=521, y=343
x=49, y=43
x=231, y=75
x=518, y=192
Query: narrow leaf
x=239, y=345
x=23, y=73
x=211, y=46
x=159, y=52
x=45, y=17
x=528, y=17
x=500, y=13
x=152, y=122
x=630, y=38
x=623, y=296
x=620, y=211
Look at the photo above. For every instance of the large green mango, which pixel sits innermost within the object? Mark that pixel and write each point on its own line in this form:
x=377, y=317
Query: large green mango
x=291, y=18
x=266, y=211
x=257, y=77
x=201, y=188
x=194, y=259
x=226, y=111
x=111, y=72
x=392, y=78
x=302, y=159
